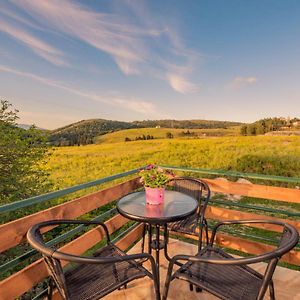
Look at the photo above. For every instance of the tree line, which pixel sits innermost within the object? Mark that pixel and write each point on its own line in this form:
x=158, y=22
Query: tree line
x=266, y=125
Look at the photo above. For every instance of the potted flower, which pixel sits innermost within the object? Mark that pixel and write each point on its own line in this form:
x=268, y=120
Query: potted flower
x=154, y=179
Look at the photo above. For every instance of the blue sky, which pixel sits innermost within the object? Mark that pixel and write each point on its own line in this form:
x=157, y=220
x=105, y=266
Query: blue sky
x=63, y=61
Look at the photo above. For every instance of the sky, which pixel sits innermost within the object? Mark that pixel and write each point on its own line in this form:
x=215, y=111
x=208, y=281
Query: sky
x=64, y=61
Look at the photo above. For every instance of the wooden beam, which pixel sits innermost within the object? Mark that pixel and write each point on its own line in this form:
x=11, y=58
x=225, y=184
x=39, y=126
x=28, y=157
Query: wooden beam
x=13, y=233
x=247, y=246
x=125, y=242
x=254, y=190
x=223, y=214
x=22, y=281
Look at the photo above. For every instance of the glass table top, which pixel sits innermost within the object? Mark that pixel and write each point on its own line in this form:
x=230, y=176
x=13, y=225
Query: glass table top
x=176, y=206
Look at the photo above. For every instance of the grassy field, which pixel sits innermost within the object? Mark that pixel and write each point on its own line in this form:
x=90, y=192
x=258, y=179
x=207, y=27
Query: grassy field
x=260, y=154
x=161, y=133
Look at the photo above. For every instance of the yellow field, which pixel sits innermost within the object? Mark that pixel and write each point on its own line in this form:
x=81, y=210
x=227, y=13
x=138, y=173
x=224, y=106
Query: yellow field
x=160, y=133
x=260, y=154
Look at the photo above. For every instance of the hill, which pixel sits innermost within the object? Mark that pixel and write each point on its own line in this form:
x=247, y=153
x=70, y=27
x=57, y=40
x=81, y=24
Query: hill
x=163, y=133
x=84, y=132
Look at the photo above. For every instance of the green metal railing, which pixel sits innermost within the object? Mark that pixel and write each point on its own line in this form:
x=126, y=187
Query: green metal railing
x=46, y=197
x=235, y=174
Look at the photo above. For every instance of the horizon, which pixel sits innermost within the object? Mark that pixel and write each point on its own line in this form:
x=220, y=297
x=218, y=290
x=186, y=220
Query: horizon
x=209, y=120
x=62, y=61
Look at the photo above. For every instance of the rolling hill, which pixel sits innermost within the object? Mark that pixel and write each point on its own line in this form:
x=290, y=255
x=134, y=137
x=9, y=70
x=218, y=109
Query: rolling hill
x=86, y=131
x=163, y=133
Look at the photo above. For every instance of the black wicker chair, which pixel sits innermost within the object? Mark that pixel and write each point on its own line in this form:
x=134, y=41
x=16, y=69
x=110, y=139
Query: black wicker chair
x=231, y=278
x=197, y=189
x=94, y=276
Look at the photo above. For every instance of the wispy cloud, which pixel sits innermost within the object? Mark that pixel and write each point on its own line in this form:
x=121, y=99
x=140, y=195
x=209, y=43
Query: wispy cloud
x=180, y=84
x=136, y=105
x=41, y=48
x=137, y=41
x=240, y=82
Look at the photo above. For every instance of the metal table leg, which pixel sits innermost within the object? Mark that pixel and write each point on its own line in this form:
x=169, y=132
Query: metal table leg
x=157, y=251
x=166, y=241
x=166, y=238
x=156, y=244
x=149, y=238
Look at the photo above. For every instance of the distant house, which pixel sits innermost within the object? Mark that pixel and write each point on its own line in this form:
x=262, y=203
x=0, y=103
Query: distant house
x=283, y=119
x=296, y=124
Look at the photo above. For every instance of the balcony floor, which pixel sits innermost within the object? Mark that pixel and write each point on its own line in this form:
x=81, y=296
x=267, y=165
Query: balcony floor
x=287, y=282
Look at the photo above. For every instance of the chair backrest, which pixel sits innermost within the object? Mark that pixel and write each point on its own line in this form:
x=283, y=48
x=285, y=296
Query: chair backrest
x=36, y=240
x=193, y=187
x=52, y=256
x=288, y=240
x=200, y=191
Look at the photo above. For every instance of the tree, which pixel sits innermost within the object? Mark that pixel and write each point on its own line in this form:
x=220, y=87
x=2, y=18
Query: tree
x=169, y=135
x=243, y=130
x=22, y=155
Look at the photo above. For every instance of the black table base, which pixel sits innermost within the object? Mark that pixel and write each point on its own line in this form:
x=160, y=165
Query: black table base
x=157, y=244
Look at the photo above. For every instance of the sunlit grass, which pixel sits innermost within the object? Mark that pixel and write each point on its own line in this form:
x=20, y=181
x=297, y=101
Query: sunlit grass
x=261, y=154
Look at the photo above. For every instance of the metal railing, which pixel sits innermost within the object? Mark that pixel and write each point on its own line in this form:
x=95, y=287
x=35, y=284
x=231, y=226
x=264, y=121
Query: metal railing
x=46, y=197
x=235, y=174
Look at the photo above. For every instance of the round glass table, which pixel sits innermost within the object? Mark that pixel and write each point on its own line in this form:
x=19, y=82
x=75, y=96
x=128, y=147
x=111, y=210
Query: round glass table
x=176, y=206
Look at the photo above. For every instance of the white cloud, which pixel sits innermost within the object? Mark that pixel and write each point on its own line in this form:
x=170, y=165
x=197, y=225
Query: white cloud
x=106, y=32
x=180, y=84
x=41, y=48
x=138, y=41
x=240, y=82
x=136, y=105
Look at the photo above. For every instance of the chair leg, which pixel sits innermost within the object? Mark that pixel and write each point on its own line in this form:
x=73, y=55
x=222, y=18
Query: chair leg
x=198, y=289
x=168, y=281
x=206, y=233
x=50, y=289
x=272, y=290
x=144, y=236
x=155, y=278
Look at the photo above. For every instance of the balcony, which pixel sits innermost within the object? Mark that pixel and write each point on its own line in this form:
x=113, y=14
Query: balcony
x=24, y=273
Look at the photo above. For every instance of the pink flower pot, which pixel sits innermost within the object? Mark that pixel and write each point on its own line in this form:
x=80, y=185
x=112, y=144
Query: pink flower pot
x=155, y=196
x=154, y=211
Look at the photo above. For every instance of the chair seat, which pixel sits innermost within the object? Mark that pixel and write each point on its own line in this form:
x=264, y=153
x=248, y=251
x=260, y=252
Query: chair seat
x=224, y=281
x=189, y=225
x=93, y=281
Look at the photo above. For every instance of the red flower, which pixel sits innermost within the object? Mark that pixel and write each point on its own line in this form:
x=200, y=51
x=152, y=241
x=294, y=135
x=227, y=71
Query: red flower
x=149, y=167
